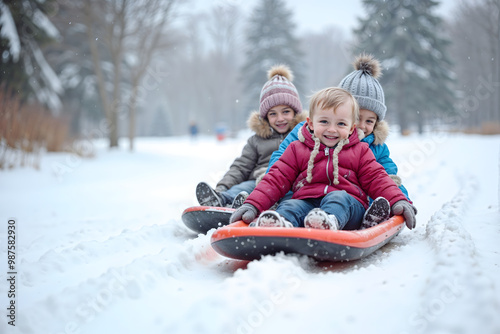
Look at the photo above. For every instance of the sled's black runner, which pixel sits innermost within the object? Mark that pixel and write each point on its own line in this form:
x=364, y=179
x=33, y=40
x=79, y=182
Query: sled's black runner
x=238, y=241
x=201, y=219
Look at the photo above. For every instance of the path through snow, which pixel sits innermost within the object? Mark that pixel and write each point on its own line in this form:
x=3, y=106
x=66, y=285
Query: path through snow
x=102, y=248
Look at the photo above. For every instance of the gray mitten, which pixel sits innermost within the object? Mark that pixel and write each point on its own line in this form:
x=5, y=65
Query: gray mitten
x=246, y=212
x=407, y=210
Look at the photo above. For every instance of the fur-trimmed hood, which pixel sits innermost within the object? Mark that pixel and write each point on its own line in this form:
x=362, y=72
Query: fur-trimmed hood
x=255, y=156
x=262, y=128
x=380, y=133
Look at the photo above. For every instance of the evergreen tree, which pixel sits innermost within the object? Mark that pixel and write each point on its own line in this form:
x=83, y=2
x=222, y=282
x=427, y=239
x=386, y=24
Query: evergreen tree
x=417, y=76
x=271, y=40
x=71, y=59
x=24, y=29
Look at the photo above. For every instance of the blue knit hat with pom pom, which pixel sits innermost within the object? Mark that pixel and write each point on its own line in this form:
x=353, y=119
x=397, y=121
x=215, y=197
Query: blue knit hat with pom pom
x=362, y=83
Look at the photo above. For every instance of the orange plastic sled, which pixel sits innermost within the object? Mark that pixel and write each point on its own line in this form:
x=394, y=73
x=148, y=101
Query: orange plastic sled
x=238, y=241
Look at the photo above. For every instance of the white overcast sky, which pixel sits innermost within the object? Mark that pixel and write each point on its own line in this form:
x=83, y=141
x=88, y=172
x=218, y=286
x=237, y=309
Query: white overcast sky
x=315, y=15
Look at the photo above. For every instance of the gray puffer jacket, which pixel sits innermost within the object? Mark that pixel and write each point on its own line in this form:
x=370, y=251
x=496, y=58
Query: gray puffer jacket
x=254, y=159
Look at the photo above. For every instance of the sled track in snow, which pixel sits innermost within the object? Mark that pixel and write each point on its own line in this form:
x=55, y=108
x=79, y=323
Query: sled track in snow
x=133, y=244
x=136, y=272
x=469, y=295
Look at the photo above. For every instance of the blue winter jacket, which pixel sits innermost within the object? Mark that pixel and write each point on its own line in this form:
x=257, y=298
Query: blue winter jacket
x=375, y=140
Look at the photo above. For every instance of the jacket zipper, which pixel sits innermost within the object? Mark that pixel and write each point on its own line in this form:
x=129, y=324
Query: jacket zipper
x=327, y=154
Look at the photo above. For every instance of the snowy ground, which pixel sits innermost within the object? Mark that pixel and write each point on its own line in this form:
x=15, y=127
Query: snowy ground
x=101, y=248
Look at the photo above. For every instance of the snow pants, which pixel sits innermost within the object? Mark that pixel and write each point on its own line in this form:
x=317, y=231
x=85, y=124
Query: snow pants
x=348, y=210
x=229, y=195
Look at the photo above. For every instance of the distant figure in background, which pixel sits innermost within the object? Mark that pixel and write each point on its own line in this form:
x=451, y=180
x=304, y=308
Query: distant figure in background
x=220, y=132
x=193, y=129
x=280, y=111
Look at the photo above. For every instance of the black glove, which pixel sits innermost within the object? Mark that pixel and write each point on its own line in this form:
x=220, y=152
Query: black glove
x=246, y=212
x=407, y=210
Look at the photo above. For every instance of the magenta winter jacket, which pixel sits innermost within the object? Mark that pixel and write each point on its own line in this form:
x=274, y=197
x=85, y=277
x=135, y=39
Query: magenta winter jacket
x=311, y=170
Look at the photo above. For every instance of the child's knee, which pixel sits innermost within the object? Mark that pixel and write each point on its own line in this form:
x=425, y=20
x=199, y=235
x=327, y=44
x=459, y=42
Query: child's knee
x=337, y=195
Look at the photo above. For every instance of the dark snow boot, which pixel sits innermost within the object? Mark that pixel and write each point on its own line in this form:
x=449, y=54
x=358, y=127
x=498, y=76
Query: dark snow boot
x=239, y=199
x=207, y=196
x=379, y=211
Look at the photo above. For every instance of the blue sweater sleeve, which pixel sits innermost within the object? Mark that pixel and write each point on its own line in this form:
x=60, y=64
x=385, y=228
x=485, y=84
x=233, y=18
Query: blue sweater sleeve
x=292, y=136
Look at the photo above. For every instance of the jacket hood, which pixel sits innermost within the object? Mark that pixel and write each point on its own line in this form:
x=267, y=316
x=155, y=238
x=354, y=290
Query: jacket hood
x=307, y=137
x=262, y=128
x=380, y=132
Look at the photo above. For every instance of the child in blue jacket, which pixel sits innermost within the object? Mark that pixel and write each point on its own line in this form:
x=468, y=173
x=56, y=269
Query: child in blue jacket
x=362, y=83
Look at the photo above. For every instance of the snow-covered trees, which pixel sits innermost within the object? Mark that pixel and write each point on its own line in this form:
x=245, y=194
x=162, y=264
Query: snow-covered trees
x=113, y=67
x=417, y=72
x=475, y=30
x=327, y=59
x=30, y=90
x=24, y=28
x=130, y=32
x=270, y=40
x=204, y=85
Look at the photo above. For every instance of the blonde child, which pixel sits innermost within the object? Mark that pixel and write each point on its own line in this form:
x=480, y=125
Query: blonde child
x=279, y=112
x=330, y=172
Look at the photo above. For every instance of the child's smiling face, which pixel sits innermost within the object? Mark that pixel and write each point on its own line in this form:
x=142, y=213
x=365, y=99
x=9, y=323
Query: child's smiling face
x=330, y=126
x=280, y=118
x=367, y=120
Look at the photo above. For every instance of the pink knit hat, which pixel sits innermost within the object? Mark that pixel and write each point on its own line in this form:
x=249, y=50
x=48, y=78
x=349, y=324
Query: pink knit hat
x=279, y=90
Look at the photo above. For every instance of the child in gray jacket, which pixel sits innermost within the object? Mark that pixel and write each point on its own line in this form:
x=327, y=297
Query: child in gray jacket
x=280, y=111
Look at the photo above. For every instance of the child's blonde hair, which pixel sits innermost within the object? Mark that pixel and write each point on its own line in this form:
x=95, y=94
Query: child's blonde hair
x=333, y=97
